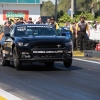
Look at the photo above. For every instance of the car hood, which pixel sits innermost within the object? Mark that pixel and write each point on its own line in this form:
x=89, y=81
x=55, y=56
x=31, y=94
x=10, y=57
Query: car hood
x=42, y=38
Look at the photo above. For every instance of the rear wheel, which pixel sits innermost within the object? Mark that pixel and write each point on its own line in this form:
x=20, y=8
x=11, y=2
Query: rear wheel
x=68, y=63
x=16, y=62
x=4, y=62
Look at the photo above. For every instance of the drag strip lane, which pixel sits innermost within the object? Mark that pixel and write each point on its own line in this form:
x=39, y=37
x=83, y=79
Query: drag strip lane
x=37, y=82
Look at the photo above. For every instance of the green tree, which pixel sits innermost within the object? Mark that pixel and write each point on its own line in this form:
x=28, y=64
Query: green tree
x=60, y=13
x=64, y=18
x=47, y=8
x=92, y=4
x=98, y=19
x=88, y=5
x=64, y=5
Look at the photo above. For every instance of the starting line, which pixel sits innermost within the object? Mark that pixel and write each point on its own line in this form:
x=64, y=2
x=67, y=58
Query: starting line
x=7, y=96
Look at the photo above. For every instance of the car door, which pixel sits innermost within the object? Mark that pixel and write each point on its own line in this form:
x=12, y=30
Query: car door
x=8, y=44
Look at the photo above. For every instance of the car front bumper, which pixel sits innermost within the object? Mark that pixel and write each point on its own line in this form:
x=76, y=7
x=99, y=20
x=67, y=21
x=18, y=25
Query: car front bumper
x=27, y=55
x=46, y=59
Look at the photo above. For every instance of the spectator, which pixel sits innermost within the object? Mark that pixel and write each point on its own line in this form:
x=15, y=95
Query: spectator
x=20, y=21
x=7, y=28
x=67, y=24
x=14, y=24
x=90, y=25
x=95, y=25
x=81, y=28
x=39, y=21
x=98, y=26
x=30, y=21
x=73, y=30
x=7, y=21
x=48, y=21
x=54, y=24
x=17, y=20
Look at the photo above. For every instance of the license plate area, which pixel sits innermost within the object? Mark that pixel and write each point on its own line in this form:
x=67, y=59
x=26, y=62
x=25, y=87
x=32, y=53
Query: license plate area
x=48, y=54
x=45, y=52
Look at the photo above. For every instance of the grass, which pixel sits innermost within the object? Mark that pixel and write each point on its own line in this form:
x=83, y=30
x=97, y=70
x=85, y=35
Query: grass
x=78, y=53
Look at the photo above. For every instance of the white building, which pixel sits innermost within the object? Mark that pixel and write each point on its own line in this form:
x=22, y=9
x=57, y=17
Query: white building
x=19, y=8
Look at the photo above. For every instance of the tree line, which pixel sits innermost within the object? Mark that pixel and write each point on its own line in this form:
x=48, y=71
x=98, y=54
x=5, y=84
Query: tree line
x=89, y=7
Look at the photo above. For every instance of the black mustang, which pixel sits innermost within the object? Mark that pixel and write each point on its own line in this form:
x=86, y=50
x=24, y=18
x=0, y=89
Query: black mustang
x=35, y=43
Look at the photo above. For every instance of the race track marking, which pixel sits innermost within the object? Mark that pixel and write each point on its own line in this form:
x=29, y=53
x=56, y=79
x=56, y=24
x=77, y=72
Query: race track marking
x=7, y=96
x=95, y=62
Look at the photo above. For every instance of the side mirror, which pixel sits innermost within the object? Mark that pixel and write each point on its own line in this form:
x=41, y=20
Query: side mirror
x=7, y=35
x=63, y=34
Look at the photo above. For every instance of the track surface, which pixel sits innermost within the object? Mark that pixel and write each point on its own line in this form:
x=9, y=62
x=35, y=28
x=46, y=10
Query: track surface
x=37, y=82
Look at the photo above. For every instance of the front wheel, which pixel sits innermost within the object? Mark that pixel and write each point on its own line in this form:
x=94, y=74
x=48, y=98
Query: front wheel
x=68, y=63
x=16, y=62
x=3, y=61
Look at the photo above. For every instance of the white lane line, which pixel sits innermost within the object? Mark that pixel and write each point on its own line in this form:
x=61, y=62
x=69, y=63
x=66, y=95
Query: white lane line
x=95, y=62
x=8, y=96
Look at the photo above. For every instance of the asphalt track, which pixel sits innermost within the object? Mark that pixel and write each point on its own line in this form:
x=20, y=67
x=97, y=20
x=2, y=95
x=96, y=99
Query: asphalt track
x=37, y=82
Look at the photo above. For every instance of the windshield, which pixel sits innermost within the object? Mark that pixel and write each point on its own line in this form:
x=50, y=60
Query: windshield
x=35, y=31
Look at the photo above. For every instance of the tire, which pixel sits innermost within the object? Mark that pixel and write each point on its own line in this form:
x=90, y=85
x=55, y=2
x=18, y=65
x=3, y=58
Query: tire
x=68, y=63
x=3, y=61
x=49, y=64
x=16, y=62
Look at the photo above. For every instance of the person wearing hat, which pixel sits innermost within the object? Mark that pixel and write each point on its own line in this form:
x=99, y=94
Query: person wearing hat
x=20, y=21
x=30, y=21
x=53, y=23
x=81, y=28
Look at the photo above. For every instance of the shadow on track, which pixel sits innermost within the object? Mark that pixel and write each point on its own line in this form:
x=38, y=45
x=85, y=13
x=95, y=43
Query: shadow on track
x=41, y=67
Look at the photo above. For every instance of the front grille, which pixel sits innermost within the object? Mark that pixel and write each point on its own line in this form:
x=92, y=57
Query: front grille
x=47, y=45
x=47, y=55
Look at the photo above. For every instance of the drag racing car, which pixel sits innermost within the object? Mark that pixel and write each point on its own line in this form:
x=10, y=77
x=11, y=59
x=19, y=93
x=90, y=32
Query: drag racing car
x=35, y=43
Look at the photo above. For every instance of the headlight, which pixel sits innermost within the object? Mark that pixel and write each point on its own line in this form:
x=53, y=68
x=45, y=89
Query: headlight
x=22, y=44
x=69, y=43
x=26, y=44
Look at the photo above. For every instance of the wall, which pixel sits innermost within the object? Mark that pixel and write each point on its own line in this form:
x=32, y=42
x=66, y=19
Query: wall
x=21, y=1
x=34, y=10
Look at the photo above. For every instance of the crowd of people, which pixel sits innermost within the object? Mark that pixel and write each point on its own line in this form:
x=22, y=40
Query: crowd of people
x=80, y=30
x=8, y=25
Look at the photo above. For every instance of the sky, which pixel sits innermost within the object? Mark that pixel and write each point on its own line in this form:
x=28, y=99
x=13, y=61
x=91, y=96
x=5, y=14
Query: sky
x=50, y=0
